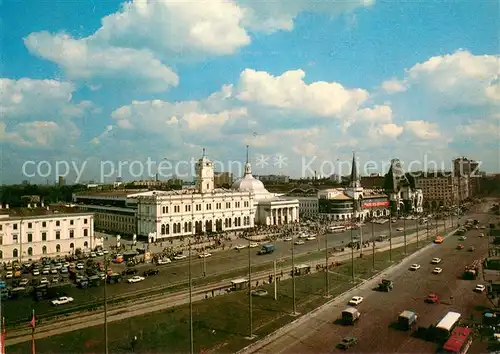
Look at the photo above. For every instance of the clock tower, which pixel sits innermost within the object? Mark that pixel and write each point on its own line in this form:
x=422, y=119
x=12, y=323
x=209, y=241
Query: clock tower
x=204, y=175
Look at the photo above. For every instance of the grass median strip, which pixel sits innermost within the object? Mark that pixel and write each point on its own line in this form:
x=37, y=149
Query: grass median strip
x=220, y=323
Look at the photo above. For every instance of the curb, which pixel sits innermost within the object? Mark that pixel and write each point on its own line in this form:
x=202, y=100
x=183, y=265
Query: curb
x=261, y=342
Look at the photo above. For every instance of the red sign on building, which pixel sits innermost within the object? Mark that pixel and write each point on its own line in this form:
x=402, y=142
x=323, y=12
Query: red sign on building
x=381, y=204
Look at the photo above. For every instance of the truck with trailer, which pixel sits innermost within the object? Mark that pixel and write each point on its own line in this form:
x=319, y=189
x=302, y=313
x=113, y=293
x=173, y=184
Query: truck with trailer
x=267, y=249
x=407, y=319
x=471, y=271
x=350, y=315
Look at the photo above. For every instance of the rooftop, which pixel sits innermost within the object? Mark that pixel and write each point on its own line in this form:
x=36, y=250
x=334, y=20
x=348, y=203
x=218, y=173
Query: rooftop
x=55, y=209
x=111, y=193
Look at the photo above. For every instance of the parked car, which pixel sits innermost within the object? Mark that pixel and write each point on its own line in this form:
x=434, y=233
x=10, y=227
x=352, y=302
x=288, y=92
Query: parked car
x=163, y=261
x=204, y=255
x=299, y=242
x=288, y=239
x=62, y=300
x=460, y=247
x=179, y=257
x=399, y=229
x=415, y=267
x=239, y=247
x=437, y=270
x=436, y=260
x=129, y=271
x=259, y=292
x=253, y=245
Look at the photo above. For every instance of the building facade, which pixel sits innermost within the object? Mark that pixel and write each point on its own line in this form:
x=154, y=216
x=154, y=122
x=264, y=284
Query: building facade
x=223, y=179
x=114, y=211
x=274, y=179
x=207, y=209
x=353, y=202
x=35, y=232
x=308, y=201
x=441, y=190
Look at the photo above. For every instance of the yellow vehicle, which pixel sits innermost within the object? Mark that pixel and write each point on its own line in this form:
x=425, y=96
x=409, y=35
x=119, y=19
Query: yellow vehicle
x=439, y=239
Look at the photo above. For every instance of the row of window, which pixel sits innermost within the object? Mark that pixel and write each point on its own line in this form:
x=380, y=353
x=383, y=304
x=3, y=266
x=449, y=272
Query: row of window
x=199, y=207
x=15, y=251
x=29, y=236
x=44, y=224
x=178, y=228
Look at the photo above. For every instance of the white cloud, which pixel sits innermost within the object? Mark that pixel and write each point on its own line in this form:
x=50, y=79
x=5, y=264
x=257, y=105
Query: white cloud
x=289, y=91
x=39, y=113
x=423, y=130
x=381, y=114
x=86, y=60
x=393, y=86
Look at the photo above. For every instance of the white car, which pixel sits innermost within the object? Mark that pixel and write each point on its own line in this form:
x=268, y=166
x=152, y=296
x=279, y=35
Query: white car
x=462, y=238
x=399, y=229
x=9, y=274
x=179, y=257
x=253, y=245
x=100, y=253
x=311, y=238
x=288, y=239
x=483, y=227
x=479, y=288
x=93, y=255
x=299, y=242
x=163, y=261
x=436, y=260
x=135, y=279
x=80, y=266
x=437, y=270
x=44, y=281
x=239, y=247
x=62, y=300
x=356, y=300
x=204, y=255
x=105, y=251
x=415, y=267
x=481, y=235
x=35, y=272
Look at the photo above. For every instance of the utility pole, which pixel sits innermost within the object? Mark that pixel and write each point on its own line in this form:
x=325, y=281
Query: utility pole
x=204, y=264
x=416, y=222
x=427, y=227
x=275, y=282
x=250, y=312
x=191, y=334
x=352, y=255
x=327, y=285
x=106, y=262
x=294, y=313
x=390, y=234
x=361, y=239
x=404, y=234
x=373, y=246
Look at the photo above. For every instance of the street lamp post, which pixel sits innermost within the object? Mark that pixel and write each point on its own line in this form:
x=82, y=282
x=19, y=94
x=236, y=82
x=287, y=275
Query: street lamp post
x=404, y=234
x=250, y=309
x=191, y=333
x=352, y=254
x=327, y=284
x=294, y=313
x=416, y=222
x=106, y=262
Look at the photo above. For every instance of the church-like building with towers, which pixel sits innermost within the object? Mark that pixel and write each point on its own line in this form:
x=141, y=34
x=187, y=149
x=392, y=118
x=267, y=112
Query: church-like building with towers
x=205, y=209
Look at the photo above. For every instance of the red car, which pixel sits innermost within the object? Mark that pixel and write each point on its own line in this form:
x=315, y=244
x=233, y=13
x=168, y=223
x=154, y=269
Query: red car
x=459, y=247
x=432, y=298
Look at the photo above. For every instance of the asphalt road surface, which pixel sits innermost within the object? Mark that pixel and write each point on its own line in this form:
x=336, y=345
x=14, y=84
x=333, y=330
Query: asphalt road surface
x=319, y=333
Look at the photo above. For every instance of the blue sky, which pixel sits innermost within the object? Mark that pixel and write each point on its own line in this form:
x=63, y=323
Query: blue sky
x=96, y=83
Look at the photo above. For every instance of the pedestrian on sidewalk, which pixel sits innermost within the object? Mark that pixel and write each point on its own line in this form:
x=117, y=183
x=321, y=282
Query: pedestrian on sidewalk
x=134, y=343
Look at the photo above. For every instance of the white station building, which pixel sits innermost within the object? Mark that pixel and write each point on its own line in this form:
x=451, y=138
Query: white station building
x=206, y=209
x=42, y=231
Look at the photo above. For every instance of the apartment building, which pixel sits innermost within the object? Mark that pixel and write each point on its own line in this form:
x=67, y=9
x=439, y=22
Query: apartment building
x=223, y=179
x=442, y=190
x=44, y=231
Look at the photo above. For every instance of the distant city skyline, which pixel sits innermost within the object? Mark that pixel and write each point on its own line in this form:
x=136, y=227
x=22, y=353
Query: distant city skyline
x=127, y=81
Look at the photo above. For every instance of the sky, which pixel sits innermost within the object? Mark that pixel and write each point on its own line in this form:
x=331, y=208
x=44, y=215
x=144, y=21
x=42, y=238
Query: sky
x=95, y=90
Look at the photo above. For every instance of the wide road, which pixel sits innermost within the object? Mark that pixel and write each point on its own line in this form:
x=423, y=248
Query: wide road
x=319, y=333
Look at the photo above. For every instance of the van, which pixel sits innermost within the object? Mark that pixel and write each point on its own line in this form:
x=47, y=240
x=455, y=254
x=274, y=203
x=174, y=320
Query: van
x=350, y=315
x=407, y=319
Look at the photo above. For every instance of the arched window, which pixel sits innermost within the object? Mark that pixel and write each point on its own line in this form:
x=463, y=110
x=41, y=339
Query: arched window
x=15, y=253
x=30, y=251
x=71, y=245
x=86, y=244
x=1, y=254
x=44, y=250
x=163, y=230
x=167, y=229
x=58, y=248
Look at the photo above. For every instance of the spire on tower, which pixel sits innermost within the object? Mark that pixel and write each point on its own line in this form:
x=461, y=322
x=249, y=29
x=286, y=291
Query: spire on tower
x=203, y=152
x=248, y=160
x=354, y=180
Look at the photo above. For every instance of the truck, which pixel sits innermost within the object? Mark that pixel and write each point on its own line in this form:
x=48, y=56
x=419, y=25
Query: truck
x=267, y=249
x=407, y=319
x=350, y=315
x=472, y=271
x=385, y=285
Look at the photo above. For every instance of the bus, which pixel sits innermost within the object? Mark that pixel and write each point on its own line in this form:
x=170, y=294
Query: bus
x=459, y=342
x=447, y=324
x=337, y=228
